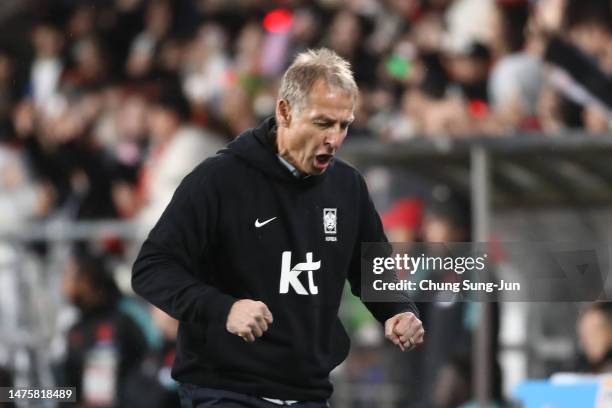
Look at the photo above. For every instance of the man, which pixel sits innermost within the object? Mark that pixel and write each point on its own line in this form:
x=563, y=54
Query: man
x=105, y=346
x=594, y=329
x=252, y=253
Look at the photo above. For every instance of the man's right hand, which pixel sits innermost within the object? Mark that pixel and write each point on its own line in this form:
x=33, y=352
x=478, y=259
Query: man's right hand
x=248, y=319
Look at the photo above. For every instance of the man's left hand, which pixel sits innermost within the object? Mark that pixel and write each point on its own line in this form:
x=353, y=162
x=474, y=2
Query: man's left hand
x=405, y=330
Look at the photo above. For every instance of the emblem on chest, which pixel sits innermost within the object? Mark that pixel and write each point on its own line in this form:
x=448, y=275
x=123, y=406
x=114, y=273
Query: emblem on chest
x=330, y=223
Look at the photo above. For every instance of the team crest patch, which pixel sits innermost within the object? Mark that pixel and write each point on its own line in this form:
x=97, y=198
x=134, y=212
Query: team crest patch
x=330, y=220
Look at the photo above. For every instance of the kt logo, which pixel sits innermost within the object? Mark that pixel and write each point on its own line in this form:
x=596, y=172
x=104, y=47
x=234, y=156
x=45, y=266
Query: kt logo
x=289, y=275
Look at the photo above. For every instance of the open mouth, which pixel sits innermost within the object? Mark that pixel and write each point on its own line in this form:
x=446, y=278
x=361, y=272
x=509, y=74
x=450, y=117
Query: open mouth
x=323, y=160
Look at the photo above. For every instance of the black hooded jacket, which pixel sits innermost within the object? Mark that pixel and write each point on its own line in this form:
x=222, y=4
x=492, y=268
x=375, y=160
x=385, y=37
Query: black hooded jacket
x=242, y=226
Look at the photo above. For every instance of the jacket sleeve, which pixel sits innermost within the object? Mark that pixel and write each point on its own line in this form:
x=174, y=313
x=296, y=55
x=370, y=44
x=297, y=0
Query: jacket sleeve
x=168, y=270
x=371, y=230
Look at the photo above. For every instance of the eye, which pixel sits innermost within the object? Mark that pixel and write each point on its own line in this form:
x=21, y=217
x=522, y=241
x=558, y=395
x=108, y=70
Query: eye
x=344, y=125
x=322, y=125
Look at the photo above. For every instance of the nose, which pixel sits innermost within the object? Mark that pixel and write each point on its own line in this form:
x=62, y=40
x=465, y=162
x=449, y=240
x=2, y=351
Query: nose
x=335, y=137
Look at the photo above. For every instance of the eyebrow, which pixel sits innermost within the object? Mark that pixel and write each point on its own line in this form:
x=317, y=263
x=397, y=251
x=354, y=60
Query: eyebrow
x=325, y=118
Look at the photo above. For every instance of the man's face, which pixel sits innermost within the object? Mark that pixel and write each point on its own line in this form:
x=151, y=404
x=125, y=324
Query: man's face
x=73, y=285
x=595, y=335
x=309, y=138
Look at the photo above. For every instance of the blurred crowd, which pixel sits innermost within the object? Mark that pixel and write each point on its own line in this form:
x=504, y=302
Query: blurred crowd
x=106, y=104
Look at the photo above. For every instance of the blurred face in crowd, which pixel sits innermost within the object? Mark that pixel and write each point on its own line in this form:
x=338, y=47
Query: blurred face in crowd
x=158, y=19
x=467, y=70
x=163, y=123
x=439, y=229
x=73, y=286
x=89, y=59
x=131, y=118
x=405, y=8
x=344, y=33
x=171, y=56
x=6, y=68
x=310, y=136
x=595, y=335
x=592, y=39
x=47, y=41
x=304, y=26
x=82, y=22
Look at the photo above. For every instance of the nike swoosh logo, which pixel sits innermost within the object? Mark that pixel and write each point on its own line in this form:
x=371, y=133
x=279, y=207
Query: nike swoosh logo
x=261, y=224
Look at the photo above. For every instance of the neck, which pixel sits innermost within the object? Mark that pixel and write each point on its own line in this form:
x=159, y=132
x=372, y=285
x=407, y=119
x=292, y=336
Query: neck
x=281, y=149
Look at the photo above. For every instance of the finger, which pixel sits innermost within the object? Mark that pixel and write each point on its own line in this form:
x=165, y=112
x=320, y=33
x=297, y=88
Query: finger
x=267, y=314
x=415, y=340
x=404, y=321
x=408, y=327
x=255, y=329
x=409, y=347
x=411, y=331
x=416, y=334
x=404, y=330
x=409, y=344
x=401, y=327
x=389, y=326
x=420, y=337
x=248, y=336
x=261, y=322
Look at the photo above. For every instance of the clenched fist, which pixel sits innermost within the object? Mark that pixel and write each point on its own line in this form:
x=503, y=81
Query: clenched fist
x=405, y=330
x=248, y=319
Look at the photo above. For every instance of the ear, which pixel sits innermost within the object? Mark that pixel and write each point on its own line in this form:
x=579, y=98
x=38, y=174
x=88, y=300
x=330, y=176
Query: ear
x=283, y=113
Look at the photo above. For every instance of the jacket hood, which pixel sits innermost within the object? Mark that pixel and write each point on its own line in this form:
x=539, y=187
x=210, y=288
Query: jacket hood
x=257, y=147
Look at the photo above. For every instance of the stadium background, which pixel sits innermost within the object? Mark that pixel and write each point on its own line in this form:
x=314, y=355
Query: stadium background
x=462, y=131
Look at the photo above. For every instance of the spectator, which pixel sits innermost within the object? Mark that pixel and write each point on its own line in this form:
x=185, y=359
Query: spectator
x=47, y=68
x=21, y=199
x=8, y=93
x=61, y=101
x=176, y=148
x=154, y=375
x=104, y=346
x=447, y=220
x=402, y=222
x=516, y=78
x=577, y=75
x=594, y=329
x=158, y=23
x=206, y=65
x=453, y=387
